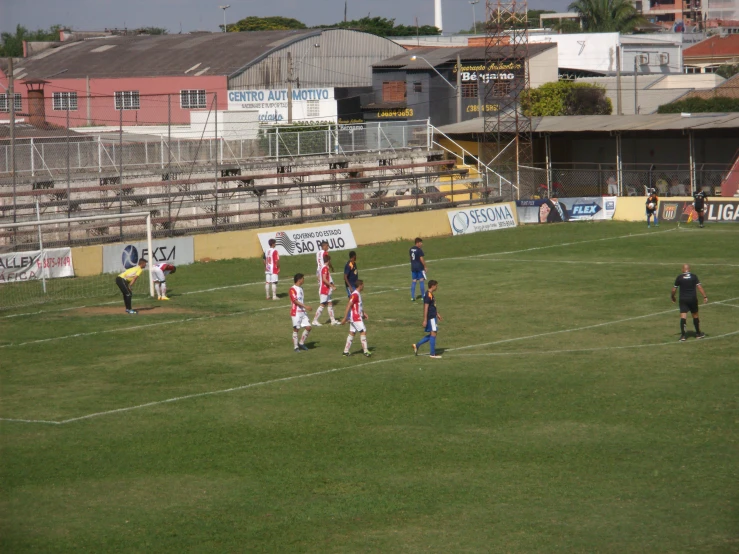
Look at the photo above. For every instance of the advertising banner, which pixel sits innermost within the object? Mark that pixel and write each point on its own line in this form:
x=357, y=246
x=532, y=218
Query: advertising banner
x=176, y=251
x=307, y=241
x=718, y=211
x=310, y=105
x=32, y=266
x=586, y=208
x=482, y=218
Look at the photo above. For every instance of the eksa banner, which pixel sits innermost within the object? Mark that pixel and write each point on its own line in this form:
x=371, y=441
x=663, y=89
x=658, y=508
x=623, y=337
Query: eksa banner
x=308, y=241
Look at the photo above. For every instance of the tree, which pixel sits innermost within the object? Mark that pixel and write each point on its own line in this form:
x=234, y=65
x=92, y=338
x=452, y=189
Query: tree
x=566, y=26
x=566, y=98
x=274, y=23
x=716, y=104
x=152, y=31
x=607, y=16
x=11, y=45
x=383, y=27
x=727, y=71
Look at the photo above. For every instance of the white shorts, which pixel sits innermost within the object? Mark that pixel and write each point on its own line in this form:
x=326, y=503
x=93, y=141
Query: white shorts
x=325, y=298
x=157, y=274
x=300, y=320
x=357, y=326
x=270, y=277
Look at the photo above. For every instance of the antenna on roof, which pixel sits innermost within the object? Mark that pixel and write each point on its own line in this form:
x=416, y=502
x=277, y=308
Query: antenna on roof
x=345, y=7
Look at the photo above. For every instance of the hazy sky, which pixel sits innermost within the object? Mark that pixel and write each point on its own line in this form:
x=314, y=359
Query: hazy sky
x=205, y=15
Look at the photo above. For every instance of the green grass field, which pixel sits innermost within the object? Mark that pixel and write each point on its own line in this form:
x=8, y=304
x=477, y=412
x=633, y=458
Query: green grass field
x=563, y=417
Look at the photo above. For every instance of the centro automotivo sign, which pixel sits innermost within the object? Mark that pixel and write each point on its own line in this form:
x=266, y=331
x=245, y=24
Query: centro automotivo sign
x=309, y=105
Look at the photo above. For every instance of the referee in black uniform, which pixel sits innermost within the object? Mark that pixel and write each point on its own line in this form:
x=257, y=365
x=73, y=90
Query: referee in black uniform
x=689, y=284
x=700, y=205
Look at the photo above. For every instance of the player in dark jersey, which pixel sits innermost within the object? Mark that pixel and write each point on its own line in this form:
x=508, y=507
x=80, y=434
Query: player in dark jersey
x=688, y=283
x=351, y=274
x=431, y=318
x=418, y=268
x=653, y=201
x=699, y=202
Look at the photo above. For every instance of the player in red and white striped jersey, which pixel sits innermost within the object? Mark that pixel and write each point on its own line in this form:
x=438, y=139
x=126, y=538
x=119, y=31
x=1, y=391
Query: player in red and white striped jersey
x=356, y=315
x=327, y=287
x=322, y=251
x=271, y=269
x=159, y=275
x=298, y=310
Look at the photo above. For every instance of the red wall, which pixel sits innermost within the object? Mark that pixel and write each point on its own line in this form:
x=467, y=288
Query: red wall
x=153, y=99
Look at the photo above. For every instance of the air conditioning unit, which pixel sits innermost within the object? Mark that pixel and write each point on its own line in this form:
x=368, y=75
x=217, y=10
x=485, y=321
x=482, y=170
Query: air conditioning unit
x=642, y=59
x=664, y=58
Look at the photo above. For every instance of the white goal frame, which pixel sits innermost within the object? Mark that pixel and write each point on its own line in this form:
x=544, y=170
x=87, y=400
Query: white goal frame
x=39, y=223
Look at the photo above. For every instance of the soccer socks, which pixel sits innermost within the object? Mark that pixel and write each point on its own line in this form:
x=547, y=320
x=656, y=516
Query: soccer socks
x=424, y=340
x=413, y=290
x=363, y=338
x=330, y=312
x=697, y=325
x=349, y=340
x=266, y=289
x=432, y=342
x=295, y=339
x=158, y=290
x=682, y=325
x=700, y=219
x=274, y=291
x=163, y=287
x=423, y=293
x=306, y=332
x=319, y=311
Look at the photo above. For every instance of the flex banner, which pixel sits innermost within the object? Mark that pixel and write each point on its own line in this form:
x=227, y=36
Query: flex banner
x=33, y=266
x=717, y=211
x=547, y=210
x=308, y=241
x=482, y=218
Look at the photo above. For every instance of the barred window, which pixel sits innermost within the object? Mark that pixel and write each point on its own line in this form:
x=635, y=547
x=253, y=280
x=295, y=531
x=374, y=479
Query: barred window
x=313, y=109
x=469, y=90
x=127, y=100
x=5, y=105
x=64, y=101
x=501, y=88
x=190, y=99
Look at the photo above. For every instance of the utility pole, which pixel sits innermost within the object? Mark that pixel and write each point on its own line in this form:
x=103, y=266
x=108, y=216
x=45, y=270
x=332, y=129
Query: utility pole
x=459, y=89
x=619, y=111
x=11, y=99
x=224, y=8
x=636, y=90
x=289, y=88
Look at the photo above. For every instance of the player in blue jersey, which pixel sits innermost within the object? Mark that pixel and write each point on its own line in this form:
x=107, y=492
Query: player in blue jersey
x=431, y=318
x=418, y=268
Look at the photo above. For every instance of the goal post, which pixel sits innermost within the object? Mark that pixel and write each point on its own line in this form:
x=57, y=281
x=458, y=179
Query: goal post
x=37, y=265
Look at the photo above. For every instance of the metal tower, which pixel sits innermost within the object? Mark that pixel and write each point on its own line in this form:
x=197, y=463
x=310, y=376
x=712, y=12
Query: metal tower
x=506, y=145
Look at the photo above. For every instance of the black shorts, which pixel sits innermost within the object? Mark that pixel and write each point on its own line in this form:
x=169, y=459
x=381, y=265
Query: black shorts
x=689, y=306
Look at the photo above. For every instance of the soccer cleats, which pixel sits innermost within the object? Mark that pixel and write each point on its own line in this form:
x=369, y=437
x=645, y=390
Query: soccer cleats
x=683, y=338
x=700, y=335
x=435, y=356
x=302, y=347
x=316, y=324
x=132, y=312
x=346, y=354
x=163, y=298
x=415, y=349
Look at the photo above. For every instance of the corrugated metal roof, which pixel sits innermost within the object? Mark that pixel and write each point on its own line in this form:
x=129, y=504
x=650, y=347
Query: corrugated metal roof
x=160, y=55
x=610, y=123
x=440, y=56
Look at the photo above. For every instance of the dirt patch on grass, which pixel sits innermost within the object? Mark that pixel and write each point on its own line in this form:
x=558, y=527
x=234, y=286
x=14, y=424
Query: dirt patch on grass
x=120, y=310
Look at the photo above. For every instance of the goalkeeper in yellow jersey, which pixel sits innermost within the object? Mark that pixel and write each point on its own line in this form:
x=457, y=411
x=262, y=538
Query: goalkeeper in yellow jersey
x=126, y=280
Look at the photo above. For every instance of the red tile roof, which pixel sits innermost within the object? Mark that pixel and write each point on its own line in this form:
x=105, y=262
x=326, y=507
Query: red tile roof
x=714, y=46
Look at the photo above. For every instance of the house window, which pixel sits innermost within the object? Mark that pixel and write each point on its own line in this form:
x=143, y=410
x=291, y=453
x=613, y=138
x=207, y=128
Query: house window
x=501, y=88
x=64, y=101
x=418, y=86
x=191, y=99
x=469, y=90
x=313, y=109
x=5, y=105
x=393, y=91
x=127, y=100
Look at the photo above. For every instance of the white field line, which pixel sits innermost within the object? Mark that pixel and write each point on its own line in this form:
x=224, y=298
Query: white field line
x=328, y=371
x=227, y=287
x=602, y=262
x=725, y=304
x=573, y=351
x=160, y=323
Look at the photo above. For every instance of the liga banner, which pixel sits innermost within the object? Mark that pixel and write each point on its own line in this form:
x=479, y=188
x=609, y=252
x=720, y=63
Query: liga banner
x=33, y=266
x=717, y=211
x=308, y=241
x=483, y=218
x=175, y=251
x=584, y=208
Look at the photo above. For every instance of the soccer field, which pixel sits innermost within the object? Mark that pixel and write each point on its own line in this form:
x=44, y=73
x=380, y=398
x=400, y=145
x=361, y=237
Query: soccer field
x=564, y=416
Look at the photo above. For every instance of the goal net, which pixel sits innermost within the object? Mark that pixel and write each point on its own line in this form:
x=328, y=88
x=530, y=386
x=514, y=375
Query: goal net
x=60, y=260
